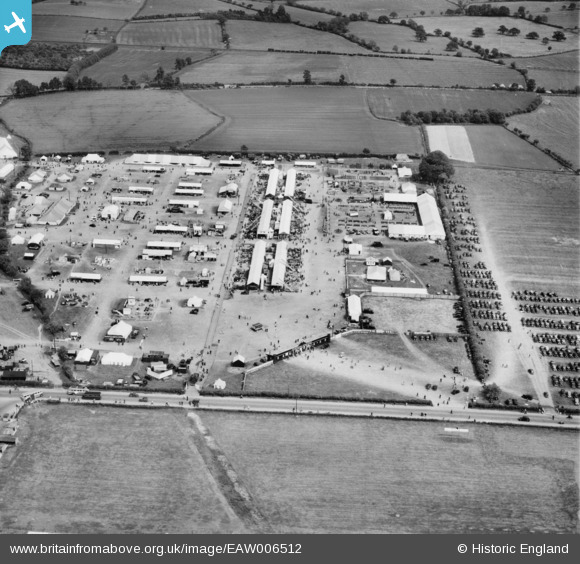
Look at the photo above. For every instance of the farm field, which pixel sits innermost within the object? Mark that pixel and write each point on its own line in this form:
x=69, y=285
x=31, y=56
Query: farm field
x=555, y=125
x=376, y=8
x=345, y=463
x=531, y=222
x=9, y=76
x=73, y=29
x=182, y=33
x=462, y=27
x=553, y=72
x=390, y=103
x=556, y=80
x=246, y=67
x=107, y=470
x=138, y=63
x=96, y=120
x=105, y=9
x=452, y=140
x=306, y=17
x=567, y=61
x=165, y=7
x=282, y=119
x=494, y=146
x=387, y=37
x=260, y=36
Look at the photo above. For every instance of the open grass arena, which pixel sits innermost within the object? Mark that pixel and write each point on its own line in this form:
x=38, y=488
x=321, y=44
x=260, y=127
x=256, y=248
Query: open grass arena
x=184, y=33
x=139, y=63
x=74, y=29
x=390, y=103
x=105, y=470
x=555, y=125
x=283, y=119
x=106, y=9
x=245, y=67
x=84, y=121
x=342, y=464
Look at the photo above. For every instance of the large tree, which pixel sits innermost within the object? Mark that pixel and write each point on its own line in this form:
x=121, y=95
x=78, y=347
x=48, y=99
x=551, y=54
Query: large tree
x=436, y=167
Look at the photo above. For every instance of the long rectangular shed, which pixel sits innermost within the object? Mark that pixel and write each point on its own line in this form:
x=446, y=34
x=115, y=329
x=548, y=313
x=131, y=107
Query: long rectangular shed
x=141, y=189
x=290, y=186
x=272, y=183
x=255, y=275
x=184, y=203
x=129, y=200
x=280, y=263
x=170, y=229
x=285, y=219
x=265, y=217
x=84, y=277
x=173, y=245
x=145, y=279
x=189, y=192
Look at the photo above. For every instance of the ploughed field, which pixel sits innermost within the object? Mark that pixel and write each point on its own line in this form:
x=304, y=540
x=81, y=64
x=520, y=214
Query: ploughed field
x=184, y=33
x=329, y=475
x=301, y=119
x=85, y=121
x=391, y=103
x=104, y=470
x=237, y=67
x=555, y=124
x=106, y=9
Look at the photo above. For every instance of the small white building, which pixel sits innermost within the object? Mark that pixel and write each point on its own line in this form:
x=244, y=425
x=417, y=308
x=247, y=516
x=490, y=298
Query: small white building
x=84, y=356
x=354, y=308
x=408, y=188
x=110, y=212
x=219, y=384
x=194, y=301
x=225, y=207
x=17, y=240
x=377, y=273
x=121, y=329
x=6, y=170
x=394, y=274
x=354, y=249
x=404, y=172
x=116, y=359
x=23, y=185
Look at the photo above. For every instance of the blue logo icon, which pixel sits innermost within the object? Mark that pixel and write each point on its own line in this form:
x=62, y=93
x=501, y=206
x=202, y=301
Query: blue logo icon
x=15, y=22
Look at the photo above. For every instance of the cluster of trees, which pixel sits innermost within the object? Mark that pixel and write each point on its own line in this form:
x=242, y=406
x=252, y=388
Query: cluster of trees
x=436, y=167
x=164, y=80
x=226, y=14
x=75, y=70
x=42, y=56
x=268, y=15
x=182, y=63
x=451, y=116
x=487, y=10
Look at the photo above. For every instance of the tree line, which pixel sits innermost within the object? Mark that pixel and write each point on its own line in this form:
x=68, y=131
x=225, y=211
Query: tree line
x=42, y=56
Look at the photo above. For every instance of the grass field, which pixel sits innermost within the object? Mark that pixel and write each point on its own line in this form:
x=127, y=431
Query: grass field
x=107, y=470
x=389, y=36
x=100, y=120
x=494, y=146
x=56, y=28
x=516, y=46
x=531, y=219
x=246, y=67
x=137, y=62
x=164, y=7
x=260, y=36
x=390, y=103
x=329, y=475
x=105, y=9
x=376, y=8
x=371, y=366
x=555, y=125
x=283, y=119
x=188, y=33
x=553, y=72
x=9, y=76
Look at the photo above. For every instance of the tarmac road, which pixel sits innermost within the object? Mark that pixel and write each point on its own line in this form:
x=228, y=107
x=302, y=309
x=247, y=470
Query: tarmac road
x=316, y=407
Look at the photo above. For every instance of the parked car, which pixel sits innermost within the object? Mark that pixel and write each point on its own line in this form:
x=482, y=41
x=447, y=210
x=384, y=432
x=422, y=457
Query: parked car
x=143, y=400
x=133, y=395
x=523, y=418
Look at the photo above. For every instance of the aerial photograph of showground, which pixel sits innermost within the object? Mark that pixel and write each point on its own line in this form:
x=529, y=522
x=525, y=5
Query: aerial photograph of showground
x=301, y=266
